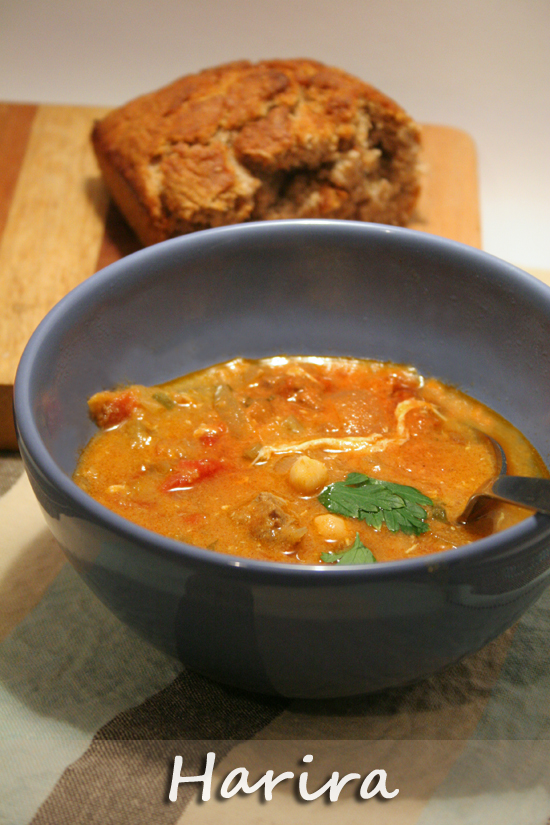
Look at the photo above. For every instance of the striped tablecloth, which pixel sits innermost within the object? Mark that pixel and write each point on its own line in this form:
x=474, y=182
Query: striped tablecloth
x=92, y=718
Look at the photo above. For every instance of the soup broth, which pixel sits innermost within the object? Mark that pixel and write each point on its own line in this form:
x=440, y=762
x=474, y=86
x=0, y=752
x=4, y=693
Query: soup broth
x=303, y=460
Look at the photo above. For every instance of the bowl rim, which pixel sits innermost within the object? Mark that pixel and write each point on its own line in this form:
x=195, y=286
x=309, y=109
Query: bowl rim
x=533, y=529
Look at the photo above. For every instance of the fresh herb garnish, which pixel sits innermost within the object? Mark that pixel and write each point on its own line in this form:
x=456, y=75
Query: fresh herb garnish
x=377, y=502
x=356, y=554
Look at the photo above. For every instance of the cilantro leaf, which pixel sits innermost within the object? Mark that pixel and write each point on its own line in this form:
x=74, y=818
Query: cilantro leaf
x=377, y=502
x=356, y=554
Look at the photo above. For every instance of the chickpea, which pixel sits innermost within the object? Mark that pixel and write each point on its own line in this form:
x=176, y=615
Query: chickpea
x=307, y=475
x=331, y=528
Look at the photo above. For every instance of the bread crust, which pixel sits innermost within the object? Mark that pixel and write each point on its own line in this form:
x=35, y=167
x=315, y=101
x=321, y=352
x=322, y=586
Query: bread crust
x=259, y=141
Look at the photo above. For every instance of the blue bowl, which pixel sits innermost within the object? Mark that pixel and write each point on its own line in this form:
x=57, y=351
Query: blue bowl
x=293, y=287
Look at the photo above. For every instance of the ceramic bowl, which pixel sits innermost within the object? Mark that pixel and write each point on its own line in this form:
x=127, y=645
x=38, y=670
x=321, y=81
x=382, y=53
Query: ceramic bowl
x=292, y=287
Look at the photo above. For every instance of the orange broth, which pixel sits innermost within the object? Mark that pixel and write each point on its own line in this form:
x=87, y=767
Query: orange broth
x=233, y=458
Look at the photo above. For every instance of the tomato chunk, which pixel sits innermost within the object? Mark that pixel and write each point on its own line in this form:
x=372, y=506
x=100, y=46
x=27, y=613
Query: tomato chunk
x=209, y=435
x=188, y=472
x=110, y=408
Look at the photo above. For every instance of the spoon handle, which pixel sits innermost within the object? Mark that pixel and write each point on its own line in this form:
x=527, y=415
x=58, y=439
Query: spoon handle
x=529, y=492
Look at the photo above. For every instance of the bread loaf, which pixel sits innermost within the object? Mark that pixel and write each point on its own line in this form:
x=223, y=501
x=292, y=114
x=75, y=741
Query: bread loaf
x=243, y=142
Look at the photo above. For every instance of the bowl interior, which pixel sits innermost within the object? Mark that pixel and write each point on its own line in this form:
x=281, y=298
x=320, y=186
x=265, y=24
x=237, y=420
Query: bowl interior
x=296, y=287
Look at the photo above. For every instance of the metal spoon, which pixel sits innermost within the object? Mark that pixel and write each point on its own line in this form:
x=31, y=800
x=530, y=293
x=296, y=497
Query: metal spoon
x=533, y=493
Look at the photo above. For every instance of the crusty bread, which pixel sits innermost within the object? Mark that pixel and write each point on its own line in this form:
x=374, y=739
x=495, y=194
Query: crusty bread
x=241, y=142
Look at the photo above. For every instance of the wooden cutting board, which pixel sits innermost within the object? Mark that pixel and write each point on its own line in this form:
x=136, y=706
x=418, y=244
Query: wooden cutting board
x=58, y=226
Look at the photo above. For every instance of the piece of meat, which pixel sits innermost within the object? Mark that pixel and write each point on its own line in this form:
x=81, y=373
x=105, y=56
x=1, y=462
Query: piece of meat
x=268, y=519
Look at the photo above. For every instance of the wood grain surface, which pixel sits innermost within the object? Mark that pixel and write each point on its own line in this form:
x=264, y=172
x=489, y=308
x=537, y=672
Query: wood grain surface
x=58, y=226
